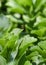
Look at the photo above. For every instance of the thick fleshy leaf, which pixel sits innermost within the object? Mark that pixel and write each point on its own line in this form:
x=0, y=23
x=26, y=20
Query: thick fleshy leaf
x=26, y=18
x=4, y=22
x=39, y=4
x=2, y=60
x=27, y=42
x=39, y=32
x=26, y=2
x=14, y=7
x=22, y=32
x=28, y=63
x=44, y=11
x=35, y=53
x=40, y=22
x=16, y=31
x=42, y=44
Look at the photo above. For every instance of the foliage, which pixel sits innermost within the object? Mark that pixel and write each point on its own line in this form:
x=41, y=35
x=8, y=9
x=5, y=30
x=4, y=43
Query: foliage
x=22, y=32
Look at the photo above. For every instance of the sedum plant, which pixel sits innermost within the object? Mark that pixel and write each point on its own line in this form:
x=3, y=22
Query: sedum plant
x=22, y=32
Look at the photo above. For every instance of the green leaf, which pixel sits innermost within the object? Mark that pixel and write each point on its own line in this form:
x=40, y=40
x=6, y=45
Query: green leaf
x=36, y=48
x=37, y=59
x=42, y=44
x=15, y=20
x=2, y=41
x=2, y=60
x=40, y=22
x=4, y=22
x=26, y=2
x=14, y=7
x=39, y=4
x=35, y=53
x=44, y=11
x=11, y=63
x=27, y=42
x=26, y=18
x=0, y=3
x=39, y=32
x=16, y=31
x=22, y=60
x=27, y=47
x=28, y=63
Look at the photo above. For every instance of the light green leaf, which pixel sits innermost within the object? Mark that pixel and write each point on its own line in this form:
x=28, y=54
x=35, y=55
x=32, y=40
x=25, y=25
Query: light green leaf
x=28, y=63
x=44, y=11
x=11, y=63
x=40, y=22
x=16, y=31
x=35, y=53
x=27, y=41
x=4, y=22
x=39, y=4
x=26, y=18
x=24, y=2
x=2, y=60
x=14, y=7
x=39, y=32
x=42, y=44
